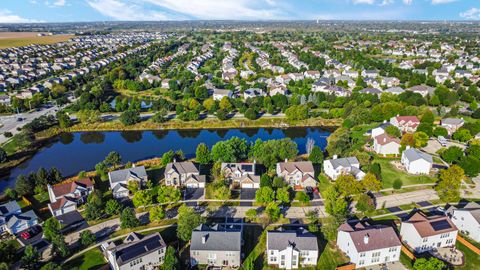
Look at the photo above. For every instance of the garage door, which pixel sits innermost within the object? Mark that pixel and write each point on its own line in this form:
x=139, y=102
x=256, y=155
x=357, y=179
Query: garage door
x=191, y=185
x=247, y=185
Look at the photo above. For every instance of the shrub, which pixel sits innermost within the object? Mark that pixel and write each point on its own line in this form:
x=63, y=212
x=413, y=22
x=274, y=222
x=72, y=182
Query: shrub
x=397, y=184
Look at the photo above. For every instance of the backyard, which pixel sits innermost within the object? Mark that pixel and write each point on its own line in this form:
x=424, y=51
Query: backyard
x=90, y=260
x=390, y=174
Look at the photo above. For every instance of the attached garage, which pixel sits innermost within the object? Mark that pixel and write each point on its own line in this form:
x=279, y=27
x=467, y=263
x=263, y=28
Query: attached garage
x=247, y=185
x=192, y=185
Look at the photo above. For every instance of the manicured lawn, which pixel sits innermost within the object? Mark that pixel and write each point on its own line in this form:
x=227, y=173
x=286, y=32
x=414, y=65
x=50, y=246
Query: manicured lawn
x=472, y=260
x=390, y=174
x=323, y=184
x=330, y=258
x=405, y=260
x=90, y=260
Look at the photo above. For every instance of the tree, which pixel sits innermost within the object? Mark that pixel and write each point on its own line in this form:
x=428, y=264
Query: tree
x=348, y=185
x=421, y=139
x=64, y=120
x=371, y=183
x=251, y=213
x=408, y=140
x=51, y=266
x=440, y=131
x=393, y=131
x=51, y=228
x=273, y=211
x=130, y=117
x=471, y=165
x=397, y=184
x=203, y=154
x=265, y=180
x=168, y=157
x=142, y=198
x=88, y=116
x=426, y=128
x=452, y=154
x=3, y=155
x=168, y=194
x=316, y=156
x=94, y=206
x=264, y=195
x=330, y=227
x=113, y=207
x=278, y=182
x=59, y=247
x=283, y=195
x=250, y=114
x=225, y=104
x=427, y=117
x=160, y=116
x=128, y=219
x=297, y=112
x=133, y=186
x=431, y=263
x=448, y=187
x=335, y=204
x=365, y=203
x=157, y=213
x=8, y=250
x=302, y=197
x=113, y=159
x=23, y=185
x=171, y=261
x=31, y=258
x=187, y=221
x=87, y=238
x=462, y=135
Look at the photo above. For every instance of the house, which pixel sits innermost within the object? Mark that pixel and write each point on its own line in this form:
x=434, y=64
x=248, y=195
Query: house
x=312, y=74
x=467, y=219
x=369, y=73
x=422, y=90
x=335, y=167
x=367, y=244
x=298, y=174
x=216, y=246
x=241, y=174
x=394, y=90
x=423, y=233
x=452, y=124
x=136, y=252
x=253, y=93
x=120, y=179
x=12, y=219
x=65, y=197
x=416, y=162
x=219, y=94
x=406, y=124
x=386, y=145
x=5, y=100
x=380, y=129
x=184, y=174
x=291, y=249
x=372, y=91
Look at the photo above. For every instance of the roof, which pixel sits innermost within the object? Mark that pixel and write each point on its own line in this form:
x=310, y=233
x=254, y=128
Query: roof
x=303, y=166
x=222, y=92
x=379, y=236
x=23, y=217
x=371, y=91
x=452, y=121
x=413, y=154
x=429, y=226
x=125, y=174
x=300, y=239
x=385, y=139
x=218, y=238
x=422, y=88
x=66, y=188
x=182, y=167
x=60, y=203
x=136, y=246
x=344, y=162
x=9, y=208
x=242, y=167
x=395, y=90
x=407, y=118
x=473, y=208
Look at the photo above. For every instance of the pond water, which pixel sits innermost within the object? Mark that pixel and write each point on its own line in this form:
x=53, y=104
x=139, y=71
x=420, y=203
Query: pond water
x=80, y=151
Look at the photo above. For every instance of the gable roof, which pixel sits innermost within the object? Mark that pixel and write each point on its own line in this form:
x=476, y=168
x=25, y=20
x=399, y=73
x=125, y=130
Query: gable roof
x=218, y=238
x=414, y=154
x=300, y=239
x=473, y=208
x=452, y=121
x=242, y=167
x=432, y=225
x=182, y=167
x=344, y=162
x=9, y=208
x=136, y=246
x=125, y=174
x=385, y=139
x=66, y=188
x=379, y=236
x=23, y=217
x=303, y=166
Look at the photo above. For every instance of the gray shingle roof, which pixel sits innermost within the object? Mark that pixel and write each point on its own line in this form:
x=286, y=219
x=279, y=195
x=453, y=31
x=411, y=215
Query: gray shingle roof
x=300, y=239
x=136, y=246
x=344, y=162
x=413, y=154
x=125, y=174
x=182, y=167
x=217, y=238
x=452, y=121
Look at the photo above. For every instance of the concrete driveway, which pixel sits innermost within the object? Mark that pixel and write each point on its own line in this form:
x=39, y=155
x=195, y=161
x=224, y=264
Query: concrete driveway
x=247, y=193
x=194, y=193
x=433, y=146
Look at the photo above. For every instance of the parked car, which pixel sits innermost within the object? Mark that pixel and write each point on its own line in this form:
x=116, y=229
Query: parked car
x=442, y=141
x=25, y=235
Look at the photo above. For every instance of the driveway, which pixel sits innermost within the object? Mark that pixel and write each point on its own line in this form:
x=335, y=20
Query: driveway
x=194, y=193
x=247, y=193
x=433, y=146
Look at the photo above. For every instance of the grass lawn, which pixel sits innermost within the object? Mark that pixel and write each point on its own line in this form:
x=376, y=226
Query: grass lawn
x=405, y=260
x=472, y=260
x=23, y=41
x=90, y=260
x=390, y=174
x=323, y=184
x=330, y=258
x=255, y=244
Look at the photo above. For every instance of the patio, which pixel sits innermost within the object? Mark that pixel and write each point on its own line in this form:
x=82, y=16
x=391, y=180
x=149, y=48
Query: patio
x=449, y=254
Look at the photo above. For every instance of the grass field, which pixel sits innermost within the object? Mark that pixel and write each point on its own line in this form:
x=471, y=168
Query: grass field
x=472, y=260
x=390, y=174
x=90, y=260
x=23, y=41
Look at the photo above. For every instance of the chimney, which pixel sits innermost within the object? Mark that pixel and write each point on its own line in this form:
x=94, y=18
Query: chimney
x=286, y=160
x=133, y=165
x=174, y=160
x=335, y=156
x=366, y=238
x=384, y=140
x=204, y=238
x=408, y=147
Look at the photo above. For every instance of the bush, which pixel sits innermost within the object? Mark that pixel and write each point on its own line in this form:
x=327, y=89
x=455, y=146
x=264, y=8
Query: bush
x=130, y=117
x=251, y=114
x=8, y=134
x=397, y=184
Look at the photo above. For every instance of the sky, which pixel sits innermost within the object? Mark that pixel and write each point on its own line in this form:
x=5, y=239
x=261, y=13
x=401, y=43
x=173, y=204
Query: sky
x=25, y=11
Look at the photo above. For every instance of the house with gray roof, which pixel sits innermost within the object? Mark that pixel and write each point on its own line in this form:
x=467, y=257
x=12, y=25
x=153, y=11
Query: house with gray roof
x=242, y=175
x=452, y=124
x=119, y=180
x=219, y=245
x=291, y=249
x=396, y=90
x=12, y=219
x=372, y=91
x=335, y=167
x=136, y=252
x=184, y=174
x=416, y=161
x=467, y=219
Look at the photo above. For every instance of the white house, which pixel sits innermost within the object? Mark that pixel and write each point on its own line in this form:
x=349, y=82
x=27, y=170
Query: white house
x=405, y=123
x=452, y=124
x=467, y=219
x=218, y=94
x=241, y=174
x=416, y=162
x=367, y=244
x=335, y=167
x=291, y=249
x=380, y=129
x=65, y=197
x=12, y=219
x=423, y=233
x=386, y=145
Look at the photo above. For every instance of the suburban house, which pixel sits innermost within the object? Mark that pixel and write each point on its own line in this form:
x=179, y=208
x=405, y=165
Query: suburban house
x=406, y=124
x=184, y=174
x=291, y=249
x=241, y=174
x=216, y=246
x=335, y=167
x=218, y=94
x=386, y=145
x=467, y=219
x=65, y=197
x=452, y=124
x=299, y=174
x=12, y=219
x=423, y=90
x=367, y=244
x=423, y=233
x=119, y=180
x=416, y=162
x=380, y=129
x=137, y=252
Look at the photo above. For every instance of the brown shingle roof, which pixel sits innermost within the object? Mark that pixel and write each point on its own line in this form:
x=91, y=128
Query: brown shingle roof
x=66, y=188
x=379, y=236
x=384, y=139
x=429, y=226
x=303, y=166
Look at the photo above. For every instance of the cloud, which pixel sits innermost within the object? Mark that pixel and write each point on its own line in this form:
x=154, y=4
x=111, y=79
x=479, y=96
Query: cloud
x=471, y=14
x=59, y=3
x=368, y=2
x=124, y=11
x=6, y=16
x=387, y=2
x=407, y=2
x=438, y=2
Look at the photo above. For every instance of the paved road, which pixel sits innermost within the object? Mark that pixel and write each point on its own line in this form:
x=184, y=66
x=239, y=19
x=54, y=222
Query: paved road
x=406, y=198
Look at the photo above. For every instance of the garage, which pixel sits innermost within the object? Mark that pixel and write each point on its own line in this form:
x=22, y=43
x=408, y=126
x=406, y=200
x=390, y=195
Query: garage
x=247, y=185
x=192, y=185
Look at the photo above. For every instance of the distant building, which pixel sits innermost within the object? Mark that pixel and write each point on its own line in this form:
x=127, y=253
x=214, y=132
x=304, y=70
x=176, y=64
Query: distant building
x=119, y=180
x=65, y=197
x=184, y=174
x=452, y=124
x=406, y=124
x=335, y=167
x=386, y=145
x=219, y=94
x=467, y=219
x=416, y=162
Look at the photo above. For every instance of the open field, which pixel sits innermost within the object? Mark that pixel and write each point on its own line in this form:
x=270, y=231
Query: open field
x=11, y=39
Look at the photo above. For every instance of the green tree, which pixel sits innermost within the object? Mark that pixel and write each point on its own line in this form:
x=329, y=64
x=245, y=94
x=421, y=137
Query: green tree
x=23, y=185
x=51, y=228
x=171, y=261
x=278, y=182
x=64, y=120
x=297, y=112
x=94, y=206
x=3, y=155
x=431, y=263
x=302, y=197
x=471, y=165
x=440, y=131
x=452, y=154
x=142, y=198
x=365, y=203
x=283, y=195
x=130, y=117
x=8, y=250
x=264, y=195
x=462, y=135
x=128, y=219
x=113, y=159
x=251, y=213
x=330, y=227
x=397, y=184
x=393, y=131
x=250, y=114
x=335, y=203
x=51, y=266
x=157, y=213
x=31, y=258
x=113, y=207
x=203, y=154
x=316, y=156
x=187, y=221
x=371, y=183
x=421, y=139
x=59, y=247
x=448, y=187
x=265, y=180
x=348, y=185
x=168, y=194
x=87, y=238
x=273, y=211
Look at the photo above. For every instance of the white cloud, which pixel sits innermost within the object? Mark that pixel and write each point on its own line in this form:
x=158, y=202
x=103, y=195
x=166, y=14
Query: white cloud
x=6, y=16
x=437, y=2
x=387, y=2
x=59, y=3
x=126, y=11
x=471, y=14
x=407, y=2
x=368, y=2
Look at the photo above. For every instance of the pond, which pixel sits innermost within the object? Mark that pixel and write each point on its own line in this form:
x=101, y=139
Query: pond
x=80, y=151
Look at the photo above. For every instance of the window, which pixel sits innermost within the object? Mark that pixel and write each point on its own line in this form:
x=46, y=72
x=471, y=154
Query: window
x=375, y=260
x=362, y=254
x=376, y=254
x=425, y=240
x=393, y=249
x=361, y=262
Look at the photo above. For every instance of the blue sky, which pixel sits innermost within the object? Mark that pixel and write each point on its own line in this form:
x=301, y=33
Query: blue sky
x=12, y=11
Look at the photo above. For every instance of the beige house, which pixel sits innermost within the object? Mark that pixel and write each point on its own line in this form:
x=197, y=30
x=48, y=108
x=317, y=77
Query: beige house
x=298, y=174
x=183, y=174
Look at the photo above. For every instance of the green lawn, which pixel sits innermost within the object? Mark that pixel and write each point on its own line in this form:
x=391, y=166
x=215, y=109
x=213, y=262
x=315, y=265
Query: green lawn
x=390, y=174
x=330, y=258
x=472, y=260
x=405, y=260
x=323, y=184
x=90, y=260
